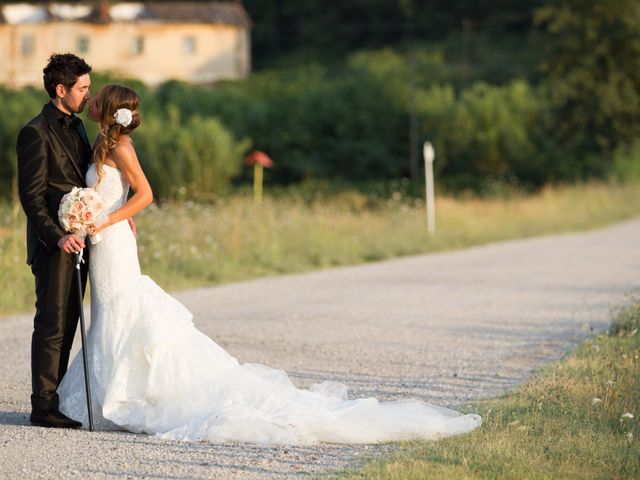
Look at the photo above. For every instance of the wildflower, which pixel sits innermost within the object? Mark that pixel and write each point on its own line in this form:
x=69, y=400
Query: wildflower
x=629, y=437
x=595, y=400
x=627, y=415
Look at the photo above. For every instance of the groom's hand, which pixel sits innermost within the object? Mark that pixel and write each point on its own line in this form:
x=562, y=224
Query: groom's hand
x=71, y=243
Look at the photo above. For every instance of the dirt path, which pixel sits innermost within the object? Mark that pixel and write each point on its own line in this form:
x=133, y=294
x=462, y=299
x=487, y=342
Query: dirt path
x=447, y=328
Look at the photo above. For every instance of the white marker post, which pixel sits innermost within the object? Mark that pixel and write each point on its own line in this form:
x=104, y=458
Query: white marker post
x=429, y=155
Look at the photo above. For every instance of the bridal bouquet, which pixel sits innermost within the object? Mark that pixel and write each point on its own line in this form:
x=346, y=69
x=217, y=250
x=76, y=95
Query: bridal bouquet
x=79, y=209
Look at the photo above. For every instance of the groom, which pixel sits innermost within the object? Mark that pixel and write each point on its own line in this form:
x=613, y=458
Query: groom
x=53, y=157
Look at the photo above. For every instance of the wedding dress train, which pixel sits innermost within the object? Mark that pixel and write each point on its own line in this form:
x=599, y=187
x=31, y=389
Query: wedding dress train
x=153, y=372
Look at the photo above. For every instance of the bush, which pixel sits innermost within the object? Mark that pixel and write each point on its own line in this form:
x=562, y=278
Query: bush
x=486, y=133
x=194, y=159
x=346, y=124
x=626, y=162
x=17, y=110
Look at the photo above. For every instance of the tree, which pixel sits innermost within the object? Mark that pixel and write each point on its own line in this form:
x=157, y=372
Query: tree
x=593, y=69
x=282, y=27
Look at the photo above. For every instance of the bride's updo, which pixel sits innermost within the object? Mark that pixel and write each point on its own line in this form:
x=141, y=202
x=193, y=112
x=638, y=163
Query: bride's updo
x=109, y=100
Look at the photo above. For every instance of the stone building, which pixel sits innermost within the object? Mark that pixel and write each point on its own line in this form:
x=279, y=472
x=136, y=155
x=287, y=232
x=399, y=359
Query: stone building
x=199, y=42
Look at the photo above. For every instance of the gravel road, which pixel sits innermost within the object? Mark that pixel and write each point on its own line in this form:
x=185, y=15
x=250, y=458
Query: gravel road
x=447, y=328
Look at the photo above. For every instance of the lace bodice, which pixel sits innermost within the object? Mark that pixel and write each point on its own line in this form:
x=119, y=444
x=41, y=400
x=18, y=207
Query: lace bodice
x=113, y=261
x=113, y=188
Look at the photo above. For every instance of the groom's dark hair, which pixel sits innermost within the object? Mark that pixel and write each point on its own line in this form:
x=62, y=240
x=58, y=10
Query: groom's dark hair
x=63, y=68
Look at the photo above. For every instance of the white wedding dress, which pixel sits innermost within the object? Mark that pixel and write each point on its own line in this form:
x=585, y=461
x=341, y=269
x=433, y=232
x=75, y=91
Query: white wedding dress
x=152, y=371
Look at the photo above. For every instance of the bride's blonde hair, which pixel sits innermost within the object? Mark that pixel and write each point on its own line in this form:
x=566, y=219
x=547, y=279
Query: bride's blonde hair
x=109, y=99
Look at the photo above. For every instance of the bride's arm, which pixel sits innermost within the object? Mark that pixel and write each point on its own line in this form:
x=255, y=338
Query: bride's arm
x=127, y=161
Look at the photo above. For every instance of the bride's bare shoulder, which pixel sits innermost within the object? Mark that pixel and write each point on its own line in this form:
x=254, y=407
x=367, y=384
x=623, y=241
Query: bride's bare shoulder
x=123, y=149
x=124, y=143
x=124, y=154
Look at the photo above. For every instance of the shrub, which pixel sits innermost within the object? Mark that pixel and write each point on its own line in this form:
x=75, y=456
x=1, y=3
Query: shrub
x=17, y=110
x=195, y=158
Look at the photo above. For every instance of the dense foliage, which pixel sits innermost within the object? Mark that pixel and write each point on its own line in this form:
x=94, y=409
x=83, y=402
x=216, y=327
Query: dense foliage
x=593, y=66
x=285, y=27
x=475, y=92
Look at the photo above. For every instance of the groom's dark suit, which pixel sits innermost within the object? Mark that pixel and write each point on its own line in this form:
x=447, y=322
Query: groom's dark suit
x=53, y=157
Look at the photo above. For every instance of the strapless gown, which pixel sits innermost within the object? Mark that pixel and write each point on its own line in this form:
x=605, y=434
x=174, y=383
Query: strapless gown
x=153, y=372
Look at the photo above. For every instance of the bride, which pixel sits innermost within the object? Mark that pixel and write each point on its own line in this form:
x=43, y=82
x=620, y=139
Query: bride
x=153, y=372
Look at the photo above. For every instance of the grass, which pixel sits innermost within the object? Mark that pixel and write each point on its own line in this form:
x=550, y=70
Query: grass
x=187, y=244
x=577, y=419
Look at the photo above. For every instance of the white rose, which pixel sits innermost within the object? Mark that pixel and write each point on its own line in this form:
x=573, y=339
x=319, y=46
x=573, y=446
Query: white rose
x=123, y=117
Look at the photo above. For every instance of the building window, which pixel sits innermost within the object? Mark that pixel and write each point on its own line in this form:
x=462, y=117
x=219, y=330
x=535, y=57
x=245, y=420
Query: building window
x=27, y=45
x=138, y=46
x=83, y=44
x=189, y=45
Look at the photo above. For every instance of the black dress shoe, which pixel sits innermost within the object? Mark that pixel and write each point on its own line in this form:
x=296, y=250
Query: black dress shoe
x=53, y=419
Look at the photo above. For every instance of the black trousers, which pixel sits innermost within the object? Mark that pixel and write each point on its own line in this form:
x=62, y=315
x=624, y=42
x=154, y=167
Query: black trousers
x=55, y=322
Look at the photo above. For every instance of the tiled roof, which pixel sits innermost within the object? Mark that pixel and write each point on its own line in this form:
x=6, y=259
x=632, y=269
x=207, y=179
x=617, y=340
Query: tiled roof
x=225, y=13
x=230, y=13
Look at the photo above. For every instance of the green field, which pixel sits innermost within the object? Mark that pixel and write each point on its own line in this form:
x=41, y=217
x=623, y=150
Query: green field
x=576, y=419
x=188, y=244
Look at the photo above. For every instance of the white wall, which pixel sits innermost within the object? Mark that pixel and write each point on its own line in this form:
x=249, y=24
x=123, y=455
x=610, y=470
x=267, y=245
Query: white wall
x=222, y=51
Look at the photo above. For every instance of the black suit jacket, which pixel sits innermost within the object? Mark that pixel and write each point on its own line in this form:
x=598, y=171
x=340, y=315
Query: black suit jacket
x=48, y=167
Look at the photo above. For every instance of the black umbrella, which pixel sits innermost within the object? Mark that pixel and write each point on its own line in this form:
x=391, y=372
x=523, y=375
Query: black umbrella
x=85, y=354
